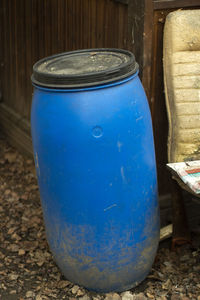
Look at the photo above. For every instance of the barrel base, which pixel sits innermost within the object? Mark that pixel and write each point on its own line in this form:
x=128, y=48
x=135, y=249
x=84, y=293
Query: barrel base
x=102, y=278
x=105, y=288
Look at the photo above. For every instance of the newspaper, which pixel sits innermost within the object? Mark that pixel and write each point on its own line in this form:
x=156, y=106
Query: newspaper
x=189, y=173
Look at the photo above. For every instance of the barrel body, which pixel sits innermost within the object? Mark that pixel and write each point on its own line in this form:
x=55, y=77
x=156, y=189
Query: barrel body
x=95, y=162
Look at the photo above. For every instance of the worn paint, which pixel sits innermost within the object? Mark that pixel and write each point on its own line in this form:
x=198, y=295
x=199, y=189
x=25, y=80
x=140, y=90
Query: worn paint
x=109, y=207
x=37, y=164
x=123, y=175
x=140, y=118
x=119, y=146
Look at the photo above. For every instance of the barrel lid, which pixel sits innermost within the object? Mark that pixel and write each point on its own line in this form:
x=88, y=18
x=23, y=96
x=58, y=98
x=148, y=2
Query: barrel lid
x=84, y=68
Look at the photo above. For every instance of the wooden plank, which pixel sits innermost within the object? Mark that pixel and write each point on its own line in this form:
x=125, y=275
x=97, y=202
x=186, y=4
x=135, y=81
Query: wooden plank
x=126, y=2
x=13, y=42
x=158, y=107
x=28, y=62
x=2, y=40
x=147, y=48
x=33, y=29
x=169, y=4
x=136, y=10
x=93, y=12
x=20, y=105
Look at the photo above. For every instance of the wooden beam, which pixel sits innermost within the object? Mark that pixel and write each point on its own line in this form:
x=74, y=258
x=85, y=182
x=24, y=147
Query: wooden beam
x=147, y=48
x=135, y=29
x=140, y=37
x=168, y=4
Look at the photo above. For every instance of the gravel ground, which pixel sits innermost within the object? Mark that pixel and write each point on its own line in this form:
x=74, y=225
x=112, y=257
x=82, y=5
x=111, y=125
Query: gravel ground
x=27, y=269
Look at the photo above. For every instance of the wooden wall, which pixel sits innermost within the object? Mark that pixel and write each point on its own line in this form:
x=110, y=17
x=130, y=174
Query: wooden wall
x=34, y=29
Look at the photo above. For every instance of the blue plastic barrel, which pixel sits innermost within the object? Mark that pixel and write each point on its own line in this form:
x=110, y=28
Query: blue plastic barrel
x=95, y=162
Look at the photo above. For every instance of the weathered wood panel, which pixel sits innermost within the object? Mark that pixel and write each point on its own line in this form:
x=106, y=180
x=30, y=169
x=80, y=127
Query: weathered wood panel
x=147, y=48
x=158, y=108
x=34, y=29
x=136, y=11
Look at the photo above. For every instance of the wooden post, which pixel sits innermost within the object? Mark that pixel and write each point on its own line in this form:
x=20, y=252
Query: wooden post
x=147, y=48
x=135, y=29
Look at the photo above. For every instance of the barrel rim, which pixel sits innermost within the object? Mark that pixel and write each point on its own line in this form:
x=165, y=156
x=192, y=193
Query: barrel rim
x=63, y=81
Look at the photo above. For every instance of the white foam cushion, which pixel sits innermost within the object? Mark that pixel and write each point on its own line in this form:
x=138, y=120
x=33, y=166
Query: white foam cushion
x=181, y=59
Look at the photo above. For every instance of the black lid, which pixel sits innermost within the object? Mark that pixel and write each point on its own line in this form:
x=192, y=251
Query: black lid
x=84, y=68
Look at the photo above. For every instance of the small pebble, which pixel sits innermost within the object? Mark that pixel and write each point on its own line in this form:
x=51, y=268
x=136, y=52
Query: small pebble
x=112, y=296
x=127, y=296
x=75, y=289
x=86, y=297
x=80, y=293
x=30, y=294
